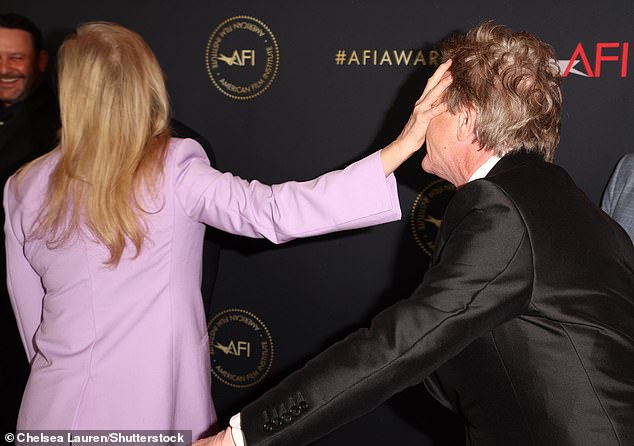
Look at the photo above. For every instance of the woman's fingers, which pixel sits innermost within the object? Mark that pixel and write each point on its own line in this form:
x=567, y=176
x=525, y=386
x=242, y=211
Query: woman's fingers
x=435, y=78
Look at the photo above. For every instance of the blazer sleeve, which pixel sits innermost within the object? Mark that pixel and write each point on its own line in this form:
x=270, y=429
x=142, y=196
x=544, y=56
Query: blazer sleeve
x=612, y=190
x=23, y=283
x=480, y=281
x=357, y=196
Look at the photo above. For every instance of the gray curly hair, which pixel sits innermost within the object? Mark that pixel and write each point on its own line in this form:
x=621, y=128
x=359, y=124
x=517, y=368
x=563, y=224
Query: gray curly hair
x=512, y=81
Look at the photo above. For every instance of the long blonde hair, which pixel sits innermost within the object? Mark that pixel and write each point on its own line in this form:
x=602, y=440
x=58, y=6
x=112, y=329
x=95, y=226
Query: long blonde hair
x=115, y=131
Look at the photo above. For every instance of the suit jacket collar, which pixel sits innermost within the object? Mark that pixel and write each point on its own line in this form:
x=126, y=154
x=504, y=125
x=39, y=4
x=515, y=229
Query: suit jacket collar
x=513, y=160
x=507, y=162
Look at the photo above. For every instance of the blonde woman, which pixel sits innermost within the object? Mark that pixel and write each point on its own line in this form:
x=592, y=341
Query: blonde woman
x=104, y=237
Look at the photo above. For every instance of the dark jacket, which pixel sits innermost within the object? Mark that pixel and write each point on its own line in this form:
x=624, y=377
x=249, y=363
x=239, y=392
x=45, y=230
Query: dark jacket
x=524, y=325
x=28, y=130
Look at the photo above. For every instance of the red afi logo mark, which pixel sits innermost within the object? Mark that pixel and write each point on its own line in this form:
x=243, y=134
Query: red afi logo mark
x=616, y=52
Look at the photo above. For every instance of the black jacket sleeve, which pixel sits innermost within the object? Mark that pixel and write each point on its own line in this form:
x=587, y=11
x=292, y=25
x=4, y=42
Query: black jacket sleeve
x=481, y=278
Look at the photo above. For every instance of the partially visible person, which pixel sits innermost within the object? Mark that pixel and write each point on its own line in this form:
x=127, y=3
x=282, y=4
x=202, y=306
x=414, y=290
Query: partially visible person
x=104, y=238
x=29, y=125
x=29, y=120
x=618, y=198
x=524, y=323
x=29, y=117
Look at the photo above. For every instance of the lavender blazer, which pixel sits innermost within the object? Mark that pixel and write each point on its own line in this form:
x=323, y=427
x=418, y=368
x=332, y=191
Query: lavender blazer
x=127, y=347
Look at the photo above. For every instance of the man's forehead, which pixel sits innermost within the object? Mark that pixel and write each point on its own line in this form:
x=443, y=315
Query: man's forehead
x=17, y=40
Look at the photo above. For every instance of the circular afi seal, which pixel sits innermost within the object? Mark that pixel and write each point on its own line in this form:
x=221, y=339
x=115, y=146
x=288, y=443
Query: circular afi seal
x=241, y=348
x=427, y=212
x=242, y=57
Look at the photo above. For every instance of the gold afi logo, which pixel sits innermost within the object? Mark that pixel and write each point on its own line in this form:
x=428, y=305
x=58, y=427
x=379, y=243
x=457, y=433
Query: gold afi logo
x=235, y=348
x=239, y=58
x=240, y=348
x=242, y=57
x=427, y=212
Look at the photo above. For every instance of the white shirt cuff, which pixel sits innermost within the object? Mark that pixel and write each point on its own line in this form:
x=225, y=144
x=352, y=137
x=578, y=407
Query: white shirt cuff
x=236, y=430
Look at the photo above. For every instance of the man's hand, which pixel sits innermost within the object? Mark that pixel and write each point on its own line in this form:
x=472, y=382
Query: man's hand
x=221, y=439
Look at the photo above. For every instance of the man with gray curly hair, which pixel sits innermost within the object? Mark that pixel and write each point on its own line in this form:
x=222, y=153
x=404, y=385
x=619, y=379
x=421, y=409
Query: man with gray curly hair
x=524, y=323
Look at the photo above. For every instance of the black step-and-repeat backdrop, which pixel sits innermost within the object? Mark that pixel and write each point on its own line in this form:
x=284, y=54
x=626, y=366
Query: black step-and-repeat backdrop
x=290, y=89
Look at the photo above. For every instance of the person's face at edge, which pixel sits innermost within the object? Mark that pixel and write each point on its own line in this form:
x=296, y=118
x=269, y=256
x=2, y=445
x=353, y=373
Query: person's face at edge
x=441, y=158
x=20, y=66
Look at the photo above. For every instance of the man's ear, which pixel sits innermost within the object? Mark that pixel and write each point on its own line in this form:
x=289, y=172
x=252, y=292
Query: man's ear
x=42, y=61
x=466, y=123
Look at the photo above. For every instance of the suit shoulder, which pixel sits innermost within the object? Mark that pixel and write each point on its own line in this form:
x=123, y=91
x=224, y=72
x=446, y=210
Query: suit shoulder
x=182, y=154
x=627, y=163
x=179, y=148
x=481, y=191
x=480, y=196
x=29, y=184
x=534, y=179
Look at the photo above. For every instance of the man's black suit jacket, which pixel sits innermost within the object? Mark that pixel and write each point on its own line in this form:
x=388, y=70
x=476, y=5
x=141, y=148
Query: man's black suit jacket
x=524, y=325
